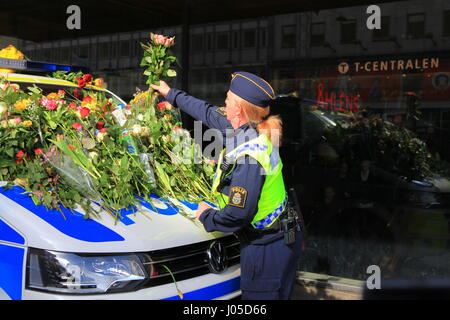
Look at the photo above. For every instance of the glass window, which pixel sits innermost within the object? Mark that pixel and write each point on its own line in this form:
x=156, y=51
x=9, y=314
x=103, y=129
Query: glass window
x=415, y=27
x=446, y=23
x=223, y=39
x=235, y=40
x=209, y=41
x=348, y=32
x=385, y=32
x=124, y=48
x=317, y=34
x=249, y=38
x=104, y=48
x=263, y=37
x=288, y=36
x=64, y=54
x=83, y=51
x=197, y=42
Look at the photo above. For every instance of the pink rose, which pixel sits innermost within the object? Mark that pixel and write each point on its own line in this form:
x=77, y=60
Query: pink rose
x=160, y=39
x=77, y=126
x=51, y=105
x=84, y=112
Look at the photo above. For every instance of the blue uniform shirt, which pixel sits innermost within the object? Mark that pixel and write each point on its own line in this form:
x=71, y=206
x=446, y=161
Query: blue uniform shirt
x=247, y=175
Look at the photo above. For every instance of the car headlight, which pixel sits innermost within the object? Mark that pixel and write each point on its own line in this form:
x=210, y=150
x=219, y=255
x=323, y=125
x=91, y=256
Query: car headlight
x=77, y=273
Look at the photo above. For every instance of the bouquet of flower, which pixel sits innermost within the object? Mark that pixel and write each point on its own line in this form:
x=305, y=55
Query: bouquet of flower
x=79, y=147
x=179, y=167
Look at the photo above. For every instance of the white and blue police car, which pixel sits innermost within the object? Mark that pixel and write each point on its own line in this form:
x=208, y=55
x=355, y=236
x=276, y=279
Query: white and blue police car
x=154, y=252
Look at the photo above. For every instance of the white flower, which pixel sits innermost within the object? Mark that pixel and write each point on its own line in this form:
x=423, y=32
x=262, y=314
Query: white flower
x=100, y=136
x=140, y=117
x=3, y=108
x=137, y=129
x=93, y=154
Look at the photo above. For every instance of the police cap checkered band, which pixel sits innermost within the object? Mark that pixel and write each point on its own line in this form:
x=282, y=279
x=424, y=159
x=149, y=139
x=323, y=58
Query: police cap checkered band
x=252, y=88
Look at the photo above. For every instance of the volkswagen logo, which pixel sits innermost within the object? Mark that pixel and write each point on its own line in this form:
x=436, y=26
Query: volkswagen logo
x=217, y=257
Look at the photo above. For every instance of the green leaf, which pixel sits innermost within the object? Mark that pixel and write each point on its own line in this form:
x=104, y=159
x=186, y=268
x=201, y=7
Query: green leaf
x=171, y=73
x=35, y=89
x=10, y=152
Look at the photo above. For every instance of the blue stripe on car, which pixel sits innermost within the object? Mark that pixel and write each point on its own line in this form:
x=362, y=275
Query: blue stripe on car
x=169, y=210
x=212, y=292
x=9, y=234
x=74, y=225
x=11, y=269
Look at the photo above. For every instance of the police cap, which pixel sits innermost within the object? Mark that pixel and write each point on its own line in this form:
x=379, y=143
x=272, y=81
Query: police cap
x=252, y=88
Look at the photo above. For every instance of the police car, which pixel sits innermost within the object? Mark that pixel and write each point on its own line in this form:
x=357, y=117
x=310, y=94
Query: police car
x=155, y=253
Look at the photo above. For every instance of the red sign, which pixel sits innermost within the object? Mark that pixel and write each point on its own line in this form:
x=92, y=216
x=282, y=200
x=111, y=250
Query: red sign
x=341, y=102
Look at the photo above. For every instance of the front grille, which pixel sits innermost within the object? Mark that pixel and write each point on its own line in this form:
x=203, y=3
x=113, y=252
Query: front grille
x=185, y=262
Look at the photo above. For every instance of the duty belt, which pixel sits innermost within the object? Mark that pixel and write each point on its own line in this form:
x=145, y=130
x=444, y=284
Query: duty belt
x=267, y=220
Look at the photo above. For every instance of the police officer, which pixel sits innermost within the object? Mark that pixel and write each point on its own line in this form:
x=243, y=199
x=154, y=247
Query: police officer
x=249, y=185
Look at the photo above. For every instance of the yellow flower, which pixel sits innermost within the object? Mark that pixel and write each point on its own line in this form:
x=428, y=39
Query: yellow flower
x=22, y=104
x=92, y=104
x=19, y=105
x=27, y=123
x=52, y=96
x=22, y=182
x=168, y=117
x=141, y=97
x=98, y=82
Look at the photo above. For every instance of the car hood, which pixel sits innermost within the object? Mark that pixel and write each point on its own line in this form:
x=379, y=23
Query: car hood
x=157, y=224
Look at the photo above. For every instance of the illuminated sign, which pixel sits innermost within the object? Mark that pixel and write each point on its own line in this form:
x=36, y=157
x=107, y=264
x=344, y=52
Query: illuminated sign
x=340, y=102
x=390, y=65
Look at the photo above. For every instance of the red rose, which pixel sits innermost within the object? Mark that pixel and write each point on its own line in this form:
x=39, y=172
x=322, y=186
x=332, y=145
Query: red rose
x=84, y=112
x=38, y=151
x=87, y=78
x=77, y=93
x=162, y=105
x=71, y=147
x=87, y=99
x=77, y=126
x=107, y=107
x=81, y=83
x=72, y=105
x=100, y=125
x=20, y=154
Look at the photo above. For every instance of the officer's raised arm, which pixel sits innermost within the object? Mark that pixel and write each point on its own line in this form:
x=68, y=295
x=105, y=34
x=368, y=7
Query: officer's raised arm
x=211, y=116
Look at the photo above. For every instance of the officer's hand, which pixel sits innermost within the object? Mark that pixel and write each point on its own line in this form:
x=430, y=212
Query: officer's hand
x=202, y=206
x=163, y=88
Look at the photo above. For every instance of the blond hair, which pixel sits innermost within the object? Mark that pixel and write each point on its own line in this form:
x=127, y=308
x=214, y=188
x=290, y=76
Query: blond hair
x=271, y=126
